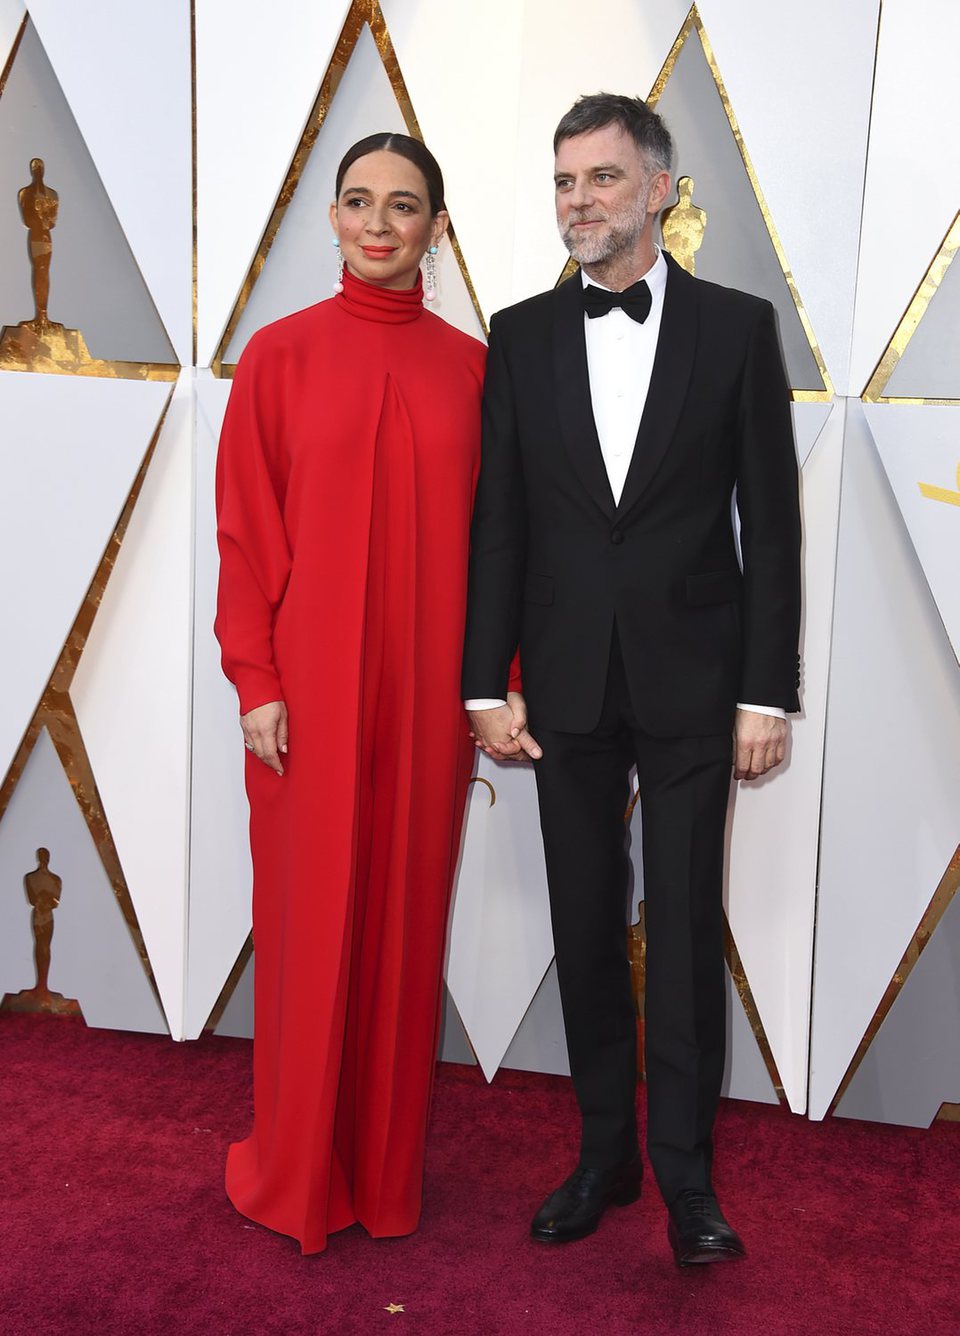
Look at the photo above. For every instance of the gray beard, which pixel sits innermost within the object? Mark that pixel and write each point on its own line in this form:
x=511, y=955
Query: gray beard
x=627, y=227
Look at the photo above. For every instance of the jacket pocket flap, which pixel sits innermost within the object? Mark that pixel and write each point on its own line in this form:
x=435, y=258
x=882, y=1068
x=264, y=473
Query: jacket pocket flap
x=713, y=587
x=538, y=589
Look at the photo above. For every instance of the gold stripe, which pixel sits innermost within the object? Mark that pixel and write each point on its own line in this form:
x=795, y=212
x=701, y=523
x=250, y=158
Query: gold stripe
x=568, y=271
x=939, y=493
x=810, y=396
x=660, y=82
x=934, y=912
x=742, y=984
x=873, y=394
x=230, y=984
x=361, y=12
x=8, y=66
x=154, y=371
x=948, y=1113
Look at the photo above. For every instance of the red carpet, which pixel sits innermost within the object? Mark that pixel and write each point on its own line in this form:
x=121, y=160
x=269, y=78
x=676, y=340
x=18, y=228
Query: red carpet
x=114, y=1220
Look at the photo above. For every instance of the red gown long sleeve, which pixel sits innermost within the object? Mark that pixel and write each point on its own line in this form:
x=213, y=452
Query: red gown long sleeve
x=345, y=480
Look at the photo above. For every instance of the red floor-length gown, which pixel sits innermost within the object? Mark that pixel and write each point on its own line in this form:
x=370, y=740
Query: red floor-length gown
x=345, y=481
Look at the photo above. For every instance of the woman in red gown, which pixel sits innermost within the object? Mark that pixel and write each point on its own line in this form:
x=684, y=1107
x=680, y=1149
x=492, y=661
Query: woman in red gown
x=345, y=481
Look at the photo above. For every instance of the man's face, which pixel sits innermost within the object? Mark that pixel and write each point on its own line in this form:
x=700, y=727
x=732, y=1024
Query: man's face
x=605, y=194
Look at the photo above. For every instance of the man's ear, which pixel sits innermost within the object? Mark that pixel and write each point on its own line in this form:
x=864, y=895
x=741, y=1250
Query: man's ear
x=659, y=191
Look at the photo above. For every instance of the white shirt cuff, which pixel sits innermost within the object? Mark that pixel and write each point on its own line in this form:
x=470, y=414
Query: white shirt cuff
x=483, y=703
x=775, y=710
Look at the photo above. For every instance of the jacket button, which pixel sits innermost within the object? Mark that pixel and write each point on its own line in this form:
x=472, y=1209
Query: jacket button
x=616, y=537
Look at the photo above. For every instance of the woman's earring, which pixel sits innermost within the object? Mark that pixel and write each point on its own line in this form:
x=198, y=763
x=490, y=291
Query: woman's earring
x=338, y=286
x=430, y=269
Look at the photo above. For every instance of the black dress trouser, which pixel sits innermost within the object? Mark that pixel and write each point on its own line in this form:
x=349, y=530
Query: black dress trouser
x=583, y=787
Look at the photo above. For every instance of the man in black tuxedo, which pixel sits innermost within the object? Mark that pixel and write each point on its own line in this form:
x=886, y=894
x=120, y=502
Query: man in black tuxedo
x=621, y=411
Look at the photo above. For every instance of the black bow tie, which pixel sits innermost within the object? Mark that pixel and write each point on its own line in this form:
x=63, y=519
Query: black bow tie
x=635, y=301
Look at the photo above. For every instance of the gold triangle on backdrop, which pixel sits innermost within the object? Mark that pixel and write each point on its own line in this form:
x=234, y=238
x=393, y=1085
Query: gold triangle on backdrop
x=934, y=912
x=362, y=13
x=921, y=299
x=43, y=346
x=693, y=29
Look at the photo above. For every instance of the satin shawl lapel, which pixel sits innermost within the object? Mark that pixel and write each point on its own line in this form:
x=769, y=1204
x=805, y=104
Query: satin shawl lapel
x=669, y=380
x=577, y=426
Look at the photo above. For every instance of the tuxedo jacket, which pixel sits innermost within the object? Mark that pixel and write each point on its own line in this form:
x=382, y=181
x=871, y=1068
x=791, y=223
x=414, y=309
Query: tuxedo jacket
x=555, y=562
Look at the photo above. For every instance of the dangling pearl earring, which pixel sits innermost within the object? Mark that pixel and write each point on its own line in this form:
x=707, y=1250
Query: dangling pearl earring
x=338, y=286
x=430, y=268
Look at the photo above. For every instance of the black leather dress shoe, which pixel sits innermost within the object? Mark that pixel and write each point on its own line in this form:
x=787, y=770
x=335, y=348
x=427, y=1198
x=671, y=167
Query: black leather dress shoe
x=574, y=1210
x=698, y=1232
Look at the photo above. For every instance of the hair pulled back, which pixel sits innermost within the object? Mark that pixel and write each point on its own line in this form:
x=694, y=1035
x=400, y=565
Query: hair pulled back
x=406, y=147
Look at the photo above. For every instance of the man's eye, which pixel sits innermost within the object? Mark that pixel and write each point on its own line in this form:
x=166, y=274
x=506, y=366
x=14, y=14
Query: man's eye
x=604, y=176
x=354, y=203
x=563, y=184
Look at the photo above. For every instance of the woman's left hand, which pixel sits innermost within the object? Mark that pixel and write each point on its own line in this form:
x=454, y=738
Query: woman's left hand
x=265, y=733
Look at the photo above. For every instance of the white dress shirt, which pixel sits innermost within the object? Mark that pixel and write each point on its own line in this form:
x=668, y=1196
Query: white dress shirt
x=620, y=353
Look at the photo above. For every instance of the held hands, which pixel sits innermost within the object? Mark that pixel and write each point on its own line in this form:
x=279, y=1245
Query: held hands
x=265, y=733
x=759, y=744
x=502, y=732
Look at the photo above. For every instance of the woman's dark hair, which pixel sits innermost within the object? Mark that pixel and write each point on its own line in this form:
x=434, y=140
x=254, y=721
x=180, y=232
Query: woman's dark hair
x=406, y=147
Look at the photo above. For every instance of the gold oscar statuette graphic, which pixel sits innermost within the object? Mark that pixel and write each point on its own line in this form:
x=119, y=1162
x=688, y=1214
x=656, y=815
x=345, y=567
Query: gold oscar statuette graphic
x=945, y=494
x=41, y=344
x=43, y=889
x=683, y=226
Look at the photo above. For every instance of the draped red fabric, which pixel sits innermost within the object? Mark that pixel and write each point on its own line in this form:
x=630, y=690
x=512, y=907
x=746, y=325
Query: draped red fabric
x=345, y=481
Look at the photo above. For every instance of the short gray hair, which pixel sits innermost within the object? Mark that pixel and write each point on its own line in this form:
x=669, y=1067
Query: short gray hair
x=598, y=110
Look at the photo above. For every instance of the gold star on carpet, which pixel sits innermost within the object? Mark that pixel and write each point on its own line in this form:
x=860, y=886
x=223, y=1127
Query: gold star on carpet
x=394, y=1308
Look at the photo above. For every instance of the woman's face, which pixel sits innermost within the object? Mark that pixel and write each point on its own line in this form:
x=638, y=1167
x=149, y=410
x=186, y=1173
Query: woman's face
x=383, y=221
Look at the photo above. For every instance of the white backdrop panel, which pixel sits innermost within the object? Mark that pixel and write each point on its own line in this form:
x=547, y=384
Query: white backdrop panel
x=462, y=64
x=800, y=89
x=808, y=421
x=500, y=937
x=125, y=70
x=220, y=871
x=919, y=445
x=911, y=186
x=132, y=698
x=773, y=846
x=563, y=57
x=257, y=77
x=70, y=451
x=891, y=789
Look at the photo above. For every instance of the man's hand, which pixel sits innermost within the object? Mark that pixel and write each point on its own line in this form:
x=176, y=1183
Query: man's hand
x=759, y=743
x=502, y=733
x=265, y=733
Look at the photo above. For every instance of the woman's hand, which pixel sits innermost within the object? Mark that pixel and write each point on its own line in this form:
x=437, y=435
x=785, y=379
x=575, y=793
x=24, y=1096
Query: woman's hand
x=265, y=733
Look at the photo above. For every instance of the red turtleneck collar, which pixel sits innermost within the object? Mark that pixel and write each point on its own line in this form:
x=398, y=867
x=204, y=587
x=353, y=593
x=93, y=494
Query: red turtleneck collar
x=388, y=306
